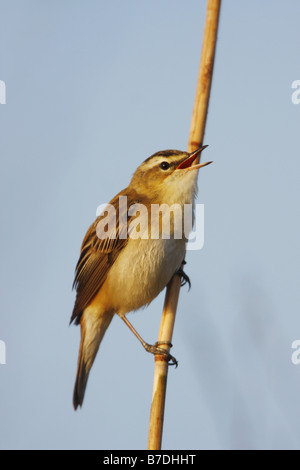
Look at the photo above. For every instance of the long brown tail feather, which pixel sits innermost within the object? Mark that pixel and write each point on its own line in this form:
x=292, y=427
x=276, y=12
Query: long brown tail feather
x=92, y=332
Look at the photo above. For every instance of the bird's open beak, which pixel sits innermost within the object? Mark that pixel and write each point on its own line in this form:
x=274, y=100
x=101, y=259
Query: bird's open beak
x=187, y=164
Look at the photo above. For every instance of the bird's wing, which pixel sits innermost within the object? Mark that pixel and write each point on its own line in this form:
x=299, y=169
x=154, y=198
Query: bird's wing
x=101, y=246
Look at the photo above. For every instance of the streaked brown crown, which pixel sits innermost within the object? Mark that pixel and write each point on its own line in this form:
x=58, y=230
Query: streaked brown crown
x=155, y=169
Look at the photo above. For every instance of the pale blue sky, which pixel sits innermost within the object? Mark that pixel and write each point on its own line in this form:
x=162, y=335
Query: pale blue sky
x=93, y=88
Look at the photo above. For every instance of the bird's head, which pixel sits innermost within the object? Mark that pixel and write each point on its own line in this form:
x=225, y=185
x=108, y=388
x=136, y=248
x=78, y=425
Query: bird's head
x=168, y=176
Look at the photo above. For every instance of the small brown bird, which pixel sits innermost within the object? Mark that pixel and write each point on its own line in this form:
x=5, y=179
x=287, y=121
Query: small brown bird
x=126, y=259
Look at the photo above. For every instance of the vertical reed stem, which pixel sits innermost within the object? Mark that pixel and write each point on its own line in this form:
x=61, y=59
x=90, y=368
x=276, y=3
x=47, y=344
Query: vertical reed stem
x=195, y=140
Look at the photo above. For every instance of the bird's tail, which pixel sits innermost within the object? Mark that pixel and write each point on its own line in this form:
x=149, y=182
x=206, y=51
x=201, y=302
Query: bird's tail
x=93, y=329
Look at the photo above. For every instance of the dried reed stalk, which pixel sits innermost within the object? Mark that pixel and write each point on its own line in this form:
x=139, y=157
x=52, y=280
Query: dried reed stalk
x=195, y=141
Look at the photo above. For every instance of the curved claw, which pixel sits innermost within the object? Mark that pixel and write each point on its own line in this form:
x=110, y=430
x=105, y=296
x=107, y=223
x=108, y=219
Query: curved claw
x=184, y=278
x=172, y=361
x=154, y=349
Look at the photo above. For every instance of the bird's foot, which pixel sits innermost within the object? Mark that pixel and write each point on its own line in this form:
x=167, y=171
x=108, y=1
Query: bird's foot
x=184, y=277
x=156, y=350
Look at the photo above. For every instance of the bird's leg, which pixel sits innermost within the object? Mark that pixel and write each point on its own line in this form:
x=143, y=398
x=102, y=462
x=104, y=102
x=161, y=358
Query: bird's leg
x=184, y=277
x=152, y=348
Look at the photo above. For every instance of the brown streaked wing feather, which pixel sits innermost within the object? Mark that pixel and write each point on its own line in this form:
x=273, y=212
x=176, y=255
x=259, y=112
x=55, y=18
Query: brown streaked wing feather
x=98, y=255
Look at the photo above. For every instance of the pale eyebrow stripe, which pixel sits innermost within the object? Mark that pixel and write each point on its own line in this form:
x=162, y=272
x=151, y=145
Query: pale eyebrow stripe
x=165, y=154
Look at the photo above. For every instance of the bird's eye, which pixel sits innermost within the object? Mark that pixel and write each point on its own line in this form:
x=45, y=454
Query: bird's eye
x=164, y=166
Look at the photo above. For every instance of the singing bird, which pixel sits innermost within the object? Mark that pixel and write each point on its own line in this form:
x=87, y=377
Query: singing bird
x=124, y=266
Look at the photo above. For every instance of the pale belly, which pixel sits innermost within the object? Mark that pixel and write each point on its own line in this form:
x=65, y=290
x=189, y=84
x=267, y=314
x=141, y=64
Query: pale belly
x=141, y=271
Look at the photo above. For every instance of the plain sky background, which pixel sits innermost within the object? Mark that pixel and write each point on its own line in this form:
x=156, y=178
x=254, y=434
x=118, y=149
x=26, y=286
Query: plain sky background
x=93, y=88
